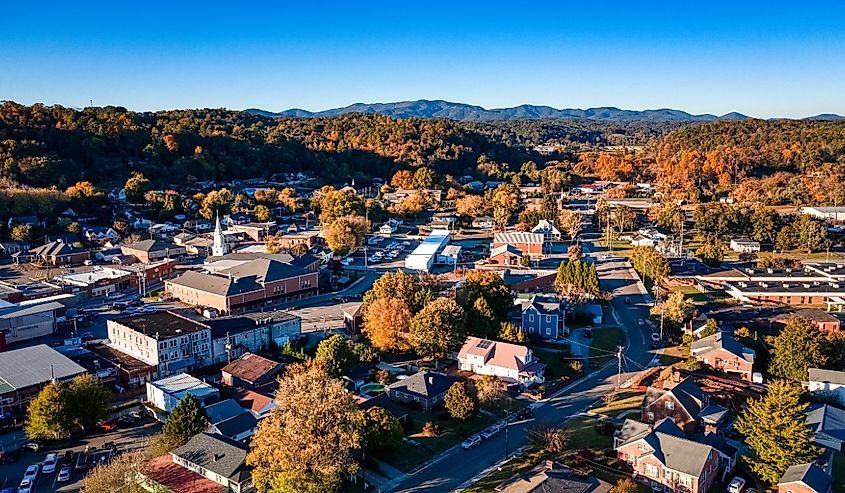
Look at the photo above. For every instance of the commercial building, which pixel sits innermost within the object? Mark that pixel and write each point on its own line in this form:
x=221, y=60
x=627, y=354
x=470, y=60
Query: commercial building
x=234, y=336
x=423, y=256
x=744, y=245
x=530, y=244
x=23, y=321
x=23, y=372
x=244, y=287
x=148, y=251
x=826, y=213
x=164, y=394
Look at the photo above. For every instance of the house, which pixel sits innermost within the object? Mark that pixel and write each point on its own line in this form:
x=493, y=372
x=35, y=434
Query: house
x=676, y=398
x=827, y=382
x=822, y=319
x=24, y=371
x=805, y=478
x=58, y=252
x=484, y=222
x=825, y=213
x=544, y=317
x=27, y=220
x=164, y=394
x=117, y=195
x=10, y=247
x=722, y=352
x=828, y=426
x=744, y=245
x=663, y=457
x=254, y=231
x=506, y=255
x=643, y=241
x=714, y=419
x=210, y=463
x=229, y=419
x=149, y=251
x=258, y=403
x=425, y=389
x=169, y=341
x=230, y=220
x=510, y=362
x=531, y=244
x=244, y=287
x=390, y=227
x=250, y=370
x=547, y=229
x=96, y=234
x=550, y=477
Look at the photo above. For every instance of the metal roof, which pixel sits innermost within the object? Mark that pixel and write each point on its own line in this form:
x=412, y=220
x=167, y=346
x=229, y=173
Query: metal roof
x=35, y=365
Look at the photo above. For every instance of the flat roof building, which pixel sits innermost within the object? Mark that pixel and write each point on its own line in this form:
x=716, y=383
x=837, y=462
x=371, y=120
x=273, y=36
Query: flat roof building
x=23, y=372
x=423, y=256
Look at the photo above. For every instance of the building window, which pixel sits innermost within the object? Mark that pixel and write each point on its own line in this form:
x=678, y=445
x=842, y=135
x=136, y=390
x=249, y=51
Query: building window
x=548, y=331
x=670, y=405
x=651, y=470
x=530, y=318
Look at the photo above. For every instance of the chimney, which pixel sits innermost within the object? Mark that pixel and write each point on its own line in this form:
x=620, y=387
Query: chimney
x=551, y=465
x=217, y=457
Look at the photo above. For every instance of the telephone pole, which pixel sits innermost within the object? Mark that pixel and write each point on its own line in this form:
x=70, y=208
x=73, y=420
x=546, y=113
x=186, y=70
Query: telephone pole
x=618, y=367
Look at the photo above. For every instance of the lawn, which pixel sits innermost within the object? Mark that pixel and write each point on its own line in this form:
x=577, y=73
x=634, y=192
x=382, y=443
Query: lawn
x=516, y=465
x=674, y=355
x=557, y=363
x=584, y=435
x=407, y=456
x=606, y=340
x=455, y=431
x=624, y=401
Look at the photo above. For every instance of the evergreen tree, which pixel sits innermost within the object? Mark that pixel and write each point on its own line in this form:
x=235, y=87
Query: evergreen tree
x=48, y=416
x=799, y=347
x=187, y=419
x=776, y=432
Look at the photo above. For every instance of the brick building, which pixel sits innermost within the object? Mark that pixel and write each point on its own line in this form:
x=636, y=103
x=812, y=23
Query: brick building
x=805, y=478
x=676, y=398
x=531, y=244
x=722, y=352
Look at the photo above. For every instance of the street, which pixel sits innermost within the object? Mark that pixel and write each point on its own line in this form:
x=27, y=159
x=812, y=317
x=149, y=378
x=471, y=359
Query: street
x=450, y=473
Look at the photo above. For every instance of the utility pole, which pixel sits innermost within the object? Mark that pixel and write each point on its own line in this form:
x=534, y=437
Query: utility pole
x=618, y=367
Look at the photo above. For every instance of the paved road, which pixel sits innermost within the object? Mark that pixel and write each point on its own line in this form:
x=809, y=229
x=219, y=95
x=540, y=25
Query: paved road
x=460, y=467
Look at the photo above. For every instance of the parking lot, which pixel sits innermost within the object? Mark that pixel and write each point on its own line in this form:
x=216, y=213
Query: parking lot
x=125, y=438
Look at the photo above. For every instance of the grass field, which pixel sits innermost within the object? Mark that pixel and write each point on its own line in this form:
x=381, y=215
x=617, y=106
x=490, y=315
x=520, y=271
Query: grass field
x=557, y=365
x=583, y=435
x=625, y=401
x=455, y=430
x=603, y=347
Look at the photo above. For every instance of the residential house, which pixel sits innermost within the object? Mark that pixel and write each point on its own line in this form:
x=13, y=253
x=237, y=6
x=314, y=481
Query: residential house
x=58, y=252
x=229, y=419
x=236, y=218
x=828, y=426
x=547, y=229
x=676, y=398
x=254, y=231
x=250, y=370
x=208, y=463
x=245, y=287
x=510, y=362
x=425, y=389
x=531, y=244
x=97, y=234
x=164, y=394
x=550, y=477
x=149, y=251
x=260, y=404
x=27, y=220
x=714, y=419
x=822, y=319
x=544, y=317
x=744, y=245
x=722, y=352
x=506, y=255
x=828, y=383
x=11, y=247
x=484, y=222
x=664, y=458
x=805, y=478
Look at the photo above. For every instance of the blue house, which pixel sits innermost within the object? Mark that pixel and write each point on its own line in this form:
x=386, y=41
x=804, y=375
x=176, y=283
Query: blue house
x=543, y=316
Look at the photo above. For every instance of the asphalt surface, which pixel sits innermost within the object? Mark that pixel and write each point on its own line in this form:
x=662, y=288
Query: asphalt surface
x=460, y=466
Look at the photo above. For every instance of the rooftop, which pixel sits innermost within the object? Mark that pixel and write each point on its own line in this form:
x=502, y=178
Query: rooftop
x=161, y=325
x=34, y=365
x=809, y=474
x=514, y=237
x=150, y=245
x=426, y=384
x=178, y=479
x=827, y=376
x=217, y=454
x=183, y=384
x=251, y=367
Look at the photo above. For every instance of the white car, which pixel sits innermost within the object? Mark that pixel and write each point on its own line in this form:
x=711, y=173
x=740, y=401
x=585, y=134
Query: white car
x=31, y=473
x=50, y=463
x=25, y=486
x=64, y=475
x=736, y=486
x=471, y=442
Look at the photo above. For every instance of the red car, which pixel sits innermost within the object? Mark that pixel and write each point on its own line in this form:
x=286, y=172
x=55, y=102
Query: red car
x=107, y=425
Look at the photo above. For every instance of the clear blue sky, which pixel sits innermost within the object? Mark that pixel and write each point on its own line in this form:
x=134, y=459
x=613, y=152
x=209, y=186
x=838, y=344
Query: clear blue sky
x=760, y=58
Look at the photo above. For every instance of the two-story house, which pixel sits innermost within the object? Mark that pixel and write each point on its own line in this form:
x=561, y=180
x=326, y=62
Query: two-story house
x=805, y=478
x=510, y=362
x=547, y=229
x=721, y=351
x=829, y=383
x=676, y=398
x=663, y=457
x=828, y=426
x=544, y=317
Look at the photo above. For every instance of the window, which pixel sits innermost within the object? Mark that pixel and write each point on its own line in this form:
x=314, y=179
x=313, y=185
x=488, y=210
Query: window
x=685, y=480
x=548, y=318
x=650, y=416
x=670, y=405
x=548, y=331
x=642, y=447
x=651, y=470
x=530, y=318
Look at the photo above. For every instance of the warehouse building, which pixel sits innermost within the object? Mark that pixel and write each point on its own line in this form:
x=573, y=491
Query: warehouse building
x=423, y=257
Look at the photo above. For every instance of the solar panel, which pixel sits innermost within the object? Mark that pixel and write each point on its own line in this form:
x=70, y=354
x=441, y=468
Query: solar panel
x=484, y=344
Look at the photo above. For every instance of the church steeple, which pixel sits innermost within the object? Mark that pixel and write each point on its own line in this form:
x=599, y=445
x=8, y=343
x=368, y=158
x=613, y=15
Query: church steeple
x=218, y=249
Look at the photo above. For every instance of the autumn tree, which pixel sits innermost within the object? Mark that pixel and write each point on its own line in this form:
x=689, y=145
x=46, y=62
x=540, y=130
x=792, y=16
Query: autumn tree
x=88, y=401
x=490, y=390
x=487, y=300
x=402, y=285
x=510, y=332
x=711, y=253
x=676, y=309
x=185, y=421
x=550, y=439
x=21, y=232
x=346, y=233
x=625, y=485
x=798, y=347
x=470, y=206
x=261, y=213
x=411, y=206
x=438, y=329
x=119, y=475
x=570, y=223
x=85, y=196
x=403, y=179
x=649, y=263
x=48, y=416
x=216, y=202
x=459, y=402
x=776, y=431
x=332, y=204
x=309, y=442
x=624, y=218
x=424, y=178
x=136, y=186
x=386, y=324
x=380, y=431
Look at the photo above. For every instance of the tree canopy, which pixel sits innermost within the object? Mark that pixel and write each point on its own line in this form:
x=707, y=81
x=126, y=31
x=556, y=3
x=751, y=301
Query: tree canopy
x=799, y=346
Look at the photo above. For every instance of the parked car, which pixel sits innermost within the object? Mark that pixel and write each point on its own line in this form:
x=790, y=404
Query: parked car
x=490, y=432
x=32, y=446
x=640, y=322
x=50, y=463
x=470, y=442
x=737, y=484
x=107, y=425
x=9, y=456
x=25, y=486
x=32, y=472
x=64, y=475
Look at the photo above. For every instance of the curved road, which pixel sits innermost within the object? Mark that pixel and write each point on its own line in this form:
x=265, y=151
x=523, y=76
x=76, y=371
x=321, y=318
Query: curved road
x=456, y=468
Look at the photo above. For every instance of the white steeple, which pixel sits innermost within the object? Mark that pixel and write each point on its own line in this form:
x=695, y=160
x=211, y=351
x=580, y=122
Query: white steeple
x=218, y=249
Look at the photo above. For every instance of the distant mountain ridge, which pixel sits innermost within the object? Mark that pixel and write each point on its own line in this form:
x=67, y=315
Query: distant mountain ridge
x=424, y=108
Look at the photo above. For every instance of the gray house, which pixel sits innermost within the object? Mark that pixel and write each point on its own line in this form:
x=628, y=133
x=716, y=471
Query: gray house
x=425, y=389
x=543, y=317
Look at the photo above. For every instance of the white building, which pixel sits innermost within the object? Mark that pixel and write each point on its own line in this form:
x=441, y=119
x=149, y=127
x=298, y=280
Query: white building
x=828, y=383
x=449, y=255
x=219, y=247
x=22, y=321
x=548, y=229
x=423, y=256
x=744, y=245
x=510, y=362
x=165, y=394
x=826, y=213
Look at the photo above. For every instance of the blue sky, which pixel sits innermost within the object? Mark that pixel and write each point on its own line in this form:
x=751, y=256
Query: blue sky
x=764, y=59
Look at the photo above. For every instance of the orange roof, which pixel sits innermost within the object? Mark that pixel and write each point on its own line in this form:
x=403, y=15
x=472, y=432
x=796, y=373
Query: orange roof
x=177, y=479
x=252, y=400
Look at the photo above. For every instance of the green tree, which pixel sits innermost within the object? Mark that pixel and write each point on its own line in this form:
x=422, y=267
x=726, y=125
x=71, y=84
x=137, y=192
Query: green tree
x=710, y=328
x=438, y=329
x=676, y=309
x=136, y=187
x=624, y=218
x=510, y=332
x=776, y=431
x=380, y=431
x=424, y=178
x=335, y=355
x=649, y=263
x=711, y=253
x=48, y=416
x=577, y=278
x=764, y=221
x=671, y=217
x=459, y=402
x=811, y=233
x=402, y=285
x=84, y=196
x=187, y=419
x=487, y=300
x=798, y=347
x=89, y=401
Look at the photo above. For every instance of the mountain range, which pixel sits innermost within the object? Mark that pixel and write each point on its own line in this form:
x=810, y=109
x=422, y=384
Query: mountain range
x=424, y=108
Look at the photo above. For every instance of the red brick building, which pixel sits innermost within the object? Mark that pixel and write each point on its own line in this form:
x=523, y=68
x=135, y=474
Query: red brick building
x=531, y=244
x=722, y=352
x=676, y=398
x=506, y=255
x=805, y=478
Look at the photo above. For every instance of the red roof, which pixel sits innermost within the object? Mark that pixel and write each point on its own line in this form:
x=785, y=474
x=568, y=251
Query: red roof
x=177, y=479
